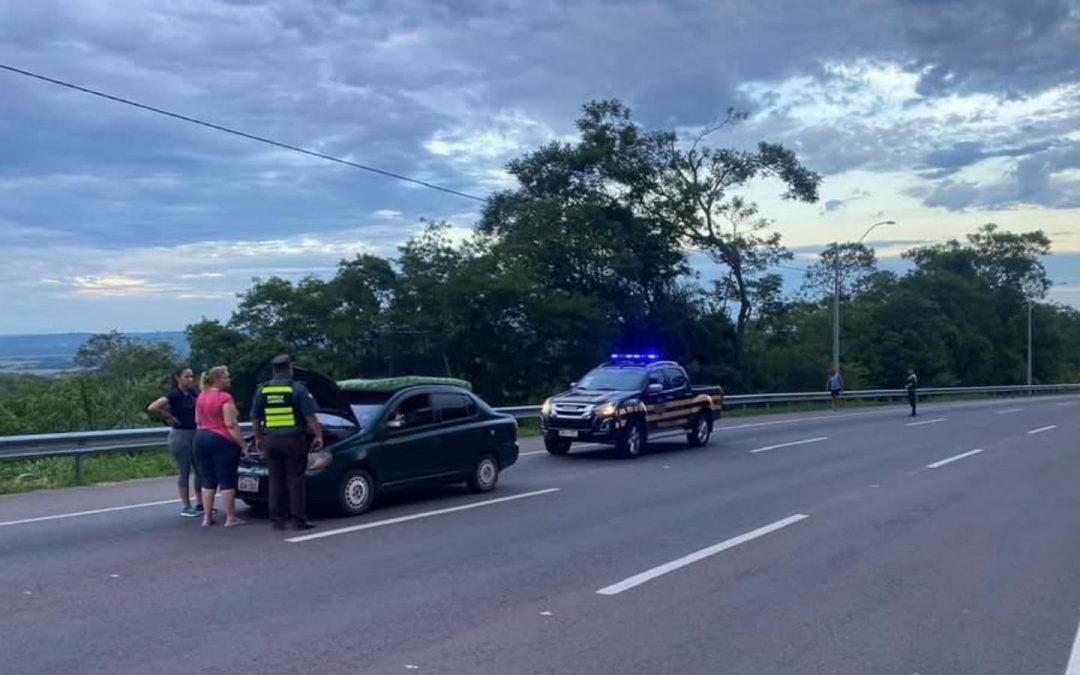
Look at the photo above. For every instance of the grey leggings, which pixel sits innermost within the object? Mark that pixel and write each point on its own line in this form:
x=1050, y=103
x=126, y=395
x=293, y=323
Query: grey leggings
x=180, y=445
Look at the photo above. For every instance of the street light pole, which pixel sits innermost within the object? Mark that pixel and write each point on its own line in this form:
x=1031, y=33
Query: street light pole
x=1029, y=346
x=836, y=293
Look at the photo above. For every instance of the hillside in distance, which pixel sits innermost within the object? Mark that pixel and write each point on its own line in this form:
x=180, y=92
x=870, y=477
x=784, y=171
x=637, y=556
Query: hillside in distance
x=55, y=352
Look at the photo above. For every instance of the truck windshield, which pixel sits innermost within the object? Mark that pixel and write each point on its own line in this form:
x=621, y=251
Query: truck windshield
x=613, y=379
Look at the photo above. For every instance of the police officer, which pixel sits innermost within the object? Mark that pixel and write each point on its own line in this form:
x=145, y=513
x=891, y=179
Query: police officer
x=911, y=386
x=281, y=410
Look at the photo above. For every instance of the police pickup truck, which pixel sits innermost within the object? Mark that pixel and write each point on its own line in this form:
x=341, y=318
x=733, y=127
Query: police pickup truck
x=627, y=402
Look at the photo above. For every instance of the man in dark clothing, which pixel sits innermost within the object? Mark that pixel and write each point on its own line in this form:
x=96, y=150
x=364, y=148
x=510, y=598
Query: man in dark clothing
x=911, y=385
x=280, y=412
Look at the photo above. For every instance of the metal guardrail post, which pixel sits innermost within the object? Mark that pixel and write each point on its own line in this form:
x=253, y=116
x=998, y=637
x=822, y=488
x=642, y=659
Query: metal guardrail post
x=78, y=469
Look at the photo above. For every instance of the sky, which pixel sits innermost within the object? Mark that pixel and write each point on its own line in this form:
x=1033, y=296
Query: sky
x=940, y=115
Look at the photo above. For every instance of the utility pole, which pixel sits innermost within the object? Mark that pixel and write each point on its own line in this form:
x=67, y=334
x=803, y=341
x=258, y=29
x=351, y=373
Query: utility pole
x=836, y=294
x=1029, y=346
x=836, y=308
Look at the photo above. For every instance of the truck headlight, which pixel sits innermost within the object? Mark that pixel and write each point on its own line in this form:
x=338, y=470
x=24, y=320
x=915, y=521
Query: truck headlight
x=607, y=410
x=545, y=408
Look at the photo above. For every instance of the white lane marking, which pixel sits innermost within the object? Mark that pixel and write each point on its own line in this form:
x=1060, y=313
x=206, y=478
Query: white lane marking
x=954, y=458
x=661, y=570
x=1074, y=657
x=416, y=516
x=753, y=425
x=532, y=452
x=1041, y=429
x=89, y=513
x=1068, y=403
x=885, y=410
x=933, y=421
x=1007, y=411
x=792, y=443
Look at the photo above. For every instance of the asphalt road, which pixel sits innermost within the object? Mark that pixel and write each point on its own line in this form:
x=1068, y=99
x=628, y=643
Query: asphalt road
x=849, y=543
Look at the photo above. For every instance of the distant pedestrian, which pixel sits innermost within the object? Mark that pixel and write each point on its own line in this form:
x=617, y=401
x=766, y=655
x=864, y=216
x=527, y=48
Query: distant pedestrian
x=218, y=444
x=912, y=386
x=179, y=407
x=835, y=385
x=280, y=413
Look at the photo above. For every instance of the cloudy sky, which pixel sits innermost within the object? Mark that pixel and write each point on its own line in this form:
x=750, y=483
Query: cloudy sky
x=939, y=114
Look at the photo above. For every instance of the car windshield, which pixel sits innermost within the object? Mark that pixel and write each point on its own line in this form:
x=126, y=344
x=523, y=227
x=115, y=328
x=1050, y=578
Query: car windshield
x=366, y=405
x=613, y=379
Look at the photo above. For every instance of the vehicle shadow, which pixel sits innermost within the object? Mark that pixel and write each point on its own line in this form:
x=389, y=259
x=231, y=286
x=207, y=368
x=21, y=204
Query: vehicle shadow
x=428, y=496
x=606, y=453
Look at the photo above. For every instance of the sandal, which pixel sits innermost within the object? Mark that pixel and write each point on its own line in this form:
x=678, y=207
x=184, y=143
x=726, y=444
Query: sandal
x=207, y=522
x=234, y=523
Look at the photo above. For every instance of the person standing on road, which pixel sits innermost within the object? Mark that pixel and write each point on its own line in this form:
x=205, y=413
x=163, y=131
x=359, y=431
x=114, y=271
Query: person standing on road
x=835, y=385
x=218, y=444
x=178, y=405
x=281, y=411
x=911, y=386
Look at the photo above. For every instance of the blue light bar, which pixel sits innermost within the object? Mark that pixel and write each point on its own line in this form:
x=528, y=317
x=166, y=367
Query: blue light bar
x=635, y=357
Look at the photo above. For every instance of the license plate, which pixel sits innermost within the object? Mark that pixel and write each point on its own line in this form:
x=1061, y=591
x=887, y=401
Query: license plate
x=567, y=433
x=248, y=484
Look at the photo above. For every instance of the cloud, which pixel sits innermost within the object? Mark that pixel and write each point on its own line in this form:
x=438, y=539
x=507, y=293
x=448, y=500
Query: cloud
x=973, y=103
x=1044, y=178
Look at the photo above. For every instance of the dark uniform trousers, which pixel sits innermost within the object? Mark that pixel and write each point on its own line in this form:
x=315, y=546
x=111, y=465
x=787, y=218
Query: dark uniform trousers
x=286, y=457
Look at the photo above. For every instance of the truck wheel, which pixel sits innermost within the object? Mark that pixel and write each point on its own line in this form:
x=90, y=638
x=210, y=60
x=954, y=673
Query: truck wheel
x=356, y=492
x=700, y=430
x=556, y=446
x=632, y=440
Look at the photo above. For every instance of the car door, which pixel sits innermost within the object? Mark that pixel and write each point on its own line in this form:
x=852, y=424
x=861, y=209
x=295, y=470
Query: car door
x=409, y=447
x=461, y=440
x=677, y=400
x=654, y=400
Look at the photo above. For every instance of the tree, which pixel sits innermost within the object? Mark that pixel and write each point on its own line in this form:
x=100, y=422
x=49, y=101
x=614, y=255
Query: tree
x=118, y=356
x=693, y=190
x=856, y=263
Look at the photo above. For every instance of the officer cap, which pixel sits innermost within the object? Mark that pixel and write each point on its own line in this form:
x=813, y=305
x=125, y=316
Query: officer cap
x=280, y=361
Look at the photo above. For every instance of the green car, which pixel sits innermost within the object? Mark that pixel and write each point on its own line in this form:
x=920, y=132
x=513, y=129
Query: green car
x=394, y=433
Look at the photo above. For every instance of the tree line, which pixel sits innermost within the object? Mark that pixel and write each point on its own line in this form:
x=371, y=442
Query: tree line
x=588, y=254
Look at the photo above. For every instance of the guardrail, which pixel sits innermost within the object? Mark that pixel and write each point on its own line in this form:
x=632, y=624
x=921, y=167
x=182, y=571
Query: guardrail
x=82, y=443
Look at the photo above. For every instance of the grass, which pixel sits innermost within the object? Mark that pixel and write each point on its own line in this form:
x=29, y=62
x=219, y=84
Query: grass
x=59, y=472
x=48, y=473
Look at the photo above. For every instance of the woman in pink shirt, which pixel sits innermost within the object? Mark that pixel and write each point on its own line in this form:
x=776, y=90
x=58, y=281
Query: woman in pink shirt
x=218, y=444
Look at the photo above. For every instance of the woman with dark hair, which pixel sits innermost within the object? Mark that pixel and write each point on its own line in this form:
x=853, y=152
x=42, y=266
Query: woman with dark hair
x=218, y=444
x=178, y=405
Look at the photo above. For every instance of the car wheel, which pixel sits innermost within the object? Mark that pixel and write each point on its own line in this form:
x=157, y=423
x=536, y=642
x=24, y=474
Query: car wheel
x=632, y=441
x=556, y=446
x=485, y=475
x=356, y=492
x=700, y=431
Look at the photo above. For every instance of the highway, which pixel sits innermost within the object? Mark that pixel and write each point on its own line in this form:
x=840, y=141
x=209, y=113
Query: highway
x=848, y=543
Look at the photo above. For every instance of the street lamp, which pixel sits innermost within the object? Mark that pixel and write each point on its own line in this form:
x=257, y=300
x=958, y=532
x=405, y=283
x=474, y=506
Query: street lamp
x=836, y=293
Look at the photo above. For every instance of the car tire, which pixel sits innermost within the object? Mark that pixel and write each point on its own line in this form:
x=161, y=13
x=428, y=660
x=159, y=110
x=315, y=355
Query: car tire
x=485, y=475
x=556, y=446
x=700, y=430
x=356, y=492
x=632, y=440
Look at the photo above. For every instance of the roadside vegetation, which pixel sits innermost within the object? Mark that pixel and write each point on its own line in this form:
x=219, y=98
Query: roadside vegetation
x=588, y=254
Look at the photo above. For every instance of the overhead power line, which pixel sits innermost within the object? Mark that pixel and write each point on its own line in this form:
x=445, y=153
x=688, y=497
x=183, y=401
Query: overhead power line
x=253, y=137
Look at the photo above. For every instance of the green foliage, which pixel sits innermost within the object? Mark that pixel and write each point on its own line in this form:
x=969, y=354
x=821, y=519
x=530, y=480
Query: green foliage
x=589, y=254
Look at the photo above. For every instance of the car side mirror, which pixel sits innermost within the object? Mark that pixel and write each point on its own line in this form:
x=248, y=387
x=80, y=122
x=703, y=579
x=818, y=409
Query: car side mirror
x=655, y=388
x=573, y=385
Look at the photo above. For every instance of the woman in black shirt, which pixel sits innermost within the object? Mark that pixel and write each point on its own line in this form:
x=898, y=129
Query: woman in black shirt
x=179, y=405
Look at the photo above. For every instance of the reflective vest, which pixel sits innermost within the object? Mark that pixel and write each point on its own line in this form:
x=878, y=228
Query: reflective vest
x=278, y=406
